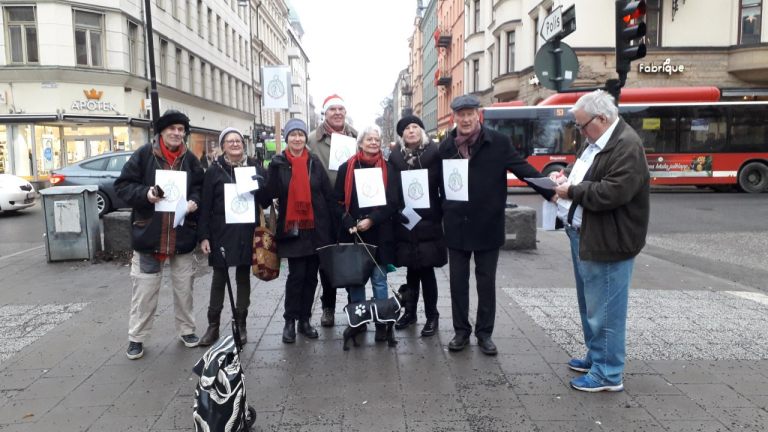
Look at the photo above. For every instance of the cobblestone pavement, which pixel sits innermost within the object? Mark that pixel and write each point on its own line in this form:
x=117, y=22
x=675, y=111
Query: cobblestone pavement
x=697, y=357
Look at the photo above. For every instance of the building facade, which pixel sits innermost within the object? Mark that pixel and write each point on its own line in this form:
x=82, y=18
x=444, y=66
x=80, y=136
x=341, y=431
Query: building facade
x=449, y=40
x=415, y=66
x=429, y=67
x=74, y=77
x=299, y=63
x=402, y=99
x=502, y=38
x=271, y=42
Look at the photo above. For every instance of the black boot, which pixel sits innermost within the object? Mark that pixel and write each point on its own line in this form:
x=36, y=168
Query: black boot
x=240, y=316
x=381, y=333
x=306, y=329
x=212, y=334
x=289, y=331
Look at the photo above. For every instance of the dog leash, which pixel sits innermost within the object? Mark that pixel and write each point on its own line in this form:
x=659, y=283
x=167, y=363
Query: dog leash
x=370, y=255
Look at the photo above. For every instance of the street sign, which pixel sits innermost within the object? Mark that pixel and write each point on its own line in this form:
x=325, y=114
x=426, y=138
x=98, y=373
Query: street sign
x=552, y=25
x=556, y=65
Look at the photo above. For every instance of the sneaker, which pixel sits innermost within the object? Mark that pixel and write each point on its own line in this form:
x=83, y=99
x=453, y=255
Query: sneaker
x=579, y=365
x=587, y=384
x=135, y=350
x=190, y=340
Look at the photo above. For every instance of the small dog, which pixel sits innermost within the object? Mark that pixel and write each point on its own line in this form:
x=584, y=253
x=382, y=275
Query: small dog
x=379, y=312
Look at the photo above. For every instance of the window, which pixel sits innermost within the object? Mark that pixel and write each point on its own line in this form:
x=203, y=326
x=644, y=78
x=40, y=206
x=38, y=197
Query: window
x=116, y=162
x=511, y=51
x=174, y=11
x=188, y=7
x=200, y=17
x=653, y=23
x=88, y=39
x=226, y=37
x=210, y=26
x=701, y=127
x=97, y=165
x=161, y=4
x=133, y=53
x=536, y=35
x=192, y=74
x=750, y=22
x=218, y=31
x=477, y=16
x=749, y=129
x=656, y=126
x=22, y=33
x=476, y=75
x=178, y=68
x=161, y=78
x=204, y=80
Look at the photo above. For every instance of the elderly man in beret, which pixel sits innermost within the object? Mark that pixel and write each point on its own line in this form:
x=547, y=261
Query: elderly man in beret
x=476, y=226
x=153, y=236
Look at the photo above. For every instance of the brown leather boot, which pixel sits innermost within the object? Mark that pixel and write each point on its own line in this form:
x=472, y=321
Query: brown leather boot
x=240, y=316
x=212, y=334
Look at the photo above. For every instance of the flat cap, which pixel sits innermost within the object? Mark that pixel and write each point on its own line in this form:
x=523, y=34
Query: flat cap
x=465, y=101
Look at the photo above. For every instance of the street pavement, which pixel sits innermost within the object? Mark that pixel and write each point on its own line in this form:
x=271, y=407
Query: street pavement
x=696, y=361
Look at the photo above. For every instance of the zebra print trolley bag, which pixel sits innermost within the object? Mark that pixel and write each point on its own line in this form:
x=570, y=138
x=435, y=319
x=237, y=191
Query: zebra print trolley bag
x=220, y=397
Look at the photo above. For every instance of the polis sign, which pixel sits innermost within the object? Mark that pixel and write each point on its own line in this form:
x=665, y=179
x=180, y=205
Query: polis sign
x=93, y=102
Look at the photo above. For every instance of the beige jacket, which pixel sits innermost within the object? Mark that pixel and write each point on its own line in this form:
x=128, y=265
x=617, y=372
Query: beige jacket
x=320, y=144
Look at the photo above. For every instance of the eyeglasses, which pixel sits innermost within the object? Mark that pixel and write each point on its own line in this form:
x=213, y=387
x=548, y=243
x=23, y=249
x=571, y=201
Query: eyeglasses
x=233, y=142
x=584, y=126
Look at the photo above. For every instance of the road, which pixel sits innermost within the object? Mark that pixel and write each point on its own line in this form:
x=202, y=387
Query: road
x=21, y=230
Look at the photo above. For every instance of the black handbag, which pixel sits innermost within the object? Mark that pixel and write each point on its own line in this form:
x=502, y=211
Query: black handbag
x=347, y=264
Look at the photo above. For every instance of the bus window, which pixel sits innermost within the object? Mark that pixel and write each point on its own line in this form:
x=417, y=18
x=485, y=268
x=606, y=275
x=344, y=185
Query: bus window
x=514, y=129
x=749, y=129
x=702, y=128
x=656, y=126
x=549, y=137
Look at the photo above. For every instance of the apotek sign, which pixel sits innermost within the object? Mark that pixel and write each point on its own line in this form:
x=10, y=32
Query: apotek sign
x=93, y=102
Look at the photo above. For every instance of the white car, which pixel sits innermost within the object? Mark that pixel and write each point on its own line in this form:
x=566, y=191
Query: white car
x=15, y=193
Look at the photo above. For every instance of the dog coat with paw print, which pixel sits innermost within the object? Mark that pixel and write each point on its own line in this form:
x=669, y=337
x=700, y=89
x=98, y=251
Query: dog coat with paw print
x=380, y=311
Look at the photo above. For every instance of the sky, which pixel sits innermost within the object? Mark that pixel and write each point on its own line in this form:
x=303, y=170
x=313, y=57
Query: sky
x=356, y=49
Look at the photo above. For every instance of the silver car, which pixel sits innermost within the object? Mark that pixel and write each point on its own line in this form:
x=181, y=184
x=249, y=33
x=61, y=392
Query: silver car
x=101, y=171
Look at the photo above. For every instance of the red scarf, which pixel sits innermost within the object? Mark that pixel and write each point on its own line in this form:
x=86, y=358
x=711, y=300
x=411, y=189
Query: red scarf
x=329, y=130
x=169, y=155
x=299, y=208
x=377, y=161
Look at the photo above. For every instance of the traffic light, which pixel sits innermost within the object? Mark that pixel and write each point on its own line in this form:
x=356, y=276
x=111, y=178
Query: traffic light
x=629, y=35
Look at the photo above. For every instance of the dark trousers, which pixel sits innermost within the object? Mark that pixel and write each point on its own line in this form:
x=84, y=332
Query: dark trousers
x=485, y=276
x=300, y=287
x=428, y=284
x=218, y=286
x=328, y=299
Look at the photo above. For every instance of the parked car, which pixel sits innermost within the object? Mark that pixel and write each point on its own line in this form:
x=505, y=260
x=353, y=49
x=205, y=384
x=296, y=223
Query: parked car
x=15, y=193
x=101, y=171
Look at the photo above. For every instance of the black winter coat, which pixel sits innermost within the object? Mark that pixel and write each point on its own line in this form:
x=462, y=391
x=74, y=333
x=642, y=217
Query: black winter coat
x=323, y=207
x=478, y=224
x=380, y=234
x=423, y=245
x=151, y=231
x=236, y=239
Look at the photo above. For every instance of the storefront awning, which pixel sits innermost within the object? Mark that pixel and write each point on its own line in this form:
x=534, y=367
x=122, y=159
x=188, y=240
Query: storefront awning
x=744, y=92
x=27, y=118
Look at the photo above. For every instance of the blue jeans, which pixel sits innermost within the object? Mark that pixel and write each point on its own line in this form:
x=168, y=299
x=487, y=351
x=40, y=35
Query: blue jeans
x=379, y=283
x=603, y=294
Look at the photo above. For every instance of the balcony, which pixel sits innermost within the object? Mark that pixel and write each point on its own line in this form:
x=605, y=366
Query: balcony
x=749, y=63
x=506, y=87
x=293, y=53
x=406, y=90
x=442, y=78
x=443, y=38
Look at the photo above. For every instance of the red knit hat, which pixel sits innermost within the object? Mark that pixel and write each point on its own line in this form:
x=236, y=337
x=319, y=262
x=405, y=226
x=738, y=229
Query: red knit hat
x=331, y=101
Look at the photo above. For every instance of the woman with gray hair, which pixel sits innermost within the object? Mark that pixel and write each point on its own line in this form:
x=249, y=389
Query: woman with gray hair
x=421, y=248
x=372, y=224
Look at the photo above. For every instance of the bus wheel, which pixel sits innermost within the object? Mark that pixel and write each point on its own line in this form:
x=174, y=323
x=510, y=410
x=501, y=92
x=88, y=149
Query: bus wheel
x=753, y=178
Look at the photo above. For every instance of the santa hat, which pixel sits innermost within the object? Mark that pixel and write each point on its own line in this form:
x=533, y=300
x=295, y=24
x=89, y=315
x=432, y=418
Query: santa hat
x=331, y=101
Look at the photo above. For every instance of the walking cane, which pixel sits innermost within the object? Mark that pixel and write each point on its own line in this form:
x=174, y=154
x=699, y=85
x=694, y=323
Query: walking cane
x=235, y=328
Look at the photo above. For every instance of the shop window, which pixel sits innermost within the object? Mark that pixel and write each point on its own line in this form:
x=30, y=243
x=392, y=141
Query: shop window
x=89, y=33
x=21, y=27
x=23, y=161
x=750, y=21
x=5, y=164
x=48, y=149
x=138, y=138
x=120, y=138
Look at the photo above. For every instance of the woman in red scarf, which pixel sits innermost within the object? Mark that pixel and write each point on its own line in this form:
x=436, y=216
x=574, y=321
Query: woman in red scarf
x=299, y=182
x=373, y=224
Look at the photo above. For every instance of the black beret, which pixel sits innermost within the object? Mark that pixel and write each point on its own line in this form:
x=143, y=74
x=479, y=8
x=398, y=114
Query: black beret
x=407, y=121
x=465, y=101
x=172, y=117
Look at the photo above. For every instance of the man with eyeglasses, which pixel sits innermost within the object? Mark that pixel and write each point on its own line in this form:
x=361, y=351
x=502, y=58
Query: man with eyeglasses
x=319, y=143
x=604, y=203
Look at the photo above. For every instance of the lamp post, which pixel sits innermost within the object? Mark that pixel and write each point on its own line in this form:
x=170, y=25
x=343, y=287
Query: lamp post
x=154, y=98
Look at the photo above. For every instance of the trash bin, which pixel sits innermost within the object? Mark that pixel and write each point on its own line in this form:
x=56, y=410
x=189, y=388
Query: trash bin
x=72, y=229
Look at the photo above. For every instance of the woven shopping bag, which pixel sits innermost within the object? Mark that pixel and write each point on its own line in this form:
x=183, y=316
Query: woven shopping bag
x=266, y=264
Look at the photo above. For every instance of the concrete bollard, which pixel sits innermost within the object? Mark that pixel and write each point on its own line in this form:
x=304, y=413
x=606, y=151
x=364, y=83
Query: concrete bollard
x=520, y=228
x=117, y=231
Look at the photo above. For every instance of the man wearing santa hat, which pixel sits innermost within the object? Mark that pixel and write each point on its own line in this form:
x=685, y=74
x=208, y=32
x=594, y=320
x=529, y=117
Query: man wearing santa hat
x=319, y=143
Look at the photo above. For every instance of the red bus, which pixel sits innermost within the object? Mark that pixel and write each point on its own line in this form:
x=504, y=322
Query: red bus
x=720, y=145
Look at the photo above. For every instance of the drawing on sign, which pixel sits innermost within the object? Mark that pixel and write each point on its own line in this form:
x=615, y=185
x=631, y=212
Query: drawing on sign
x=276, y=89
x=455, y=181
x=172, y=192
x=370, y=190
x=342, y=154
x=239, y=204
x=415, y=190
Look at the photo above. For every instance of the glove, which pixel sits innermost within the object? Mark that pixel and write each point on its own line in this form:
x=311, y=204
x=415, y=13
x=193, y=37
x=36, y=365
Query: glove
x=260, y=180
x=403, y=219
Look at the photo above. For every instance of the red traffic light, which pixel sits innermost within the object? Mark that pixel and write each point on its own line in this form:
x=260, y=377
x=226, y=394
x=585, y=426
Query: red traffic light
x=633, y=10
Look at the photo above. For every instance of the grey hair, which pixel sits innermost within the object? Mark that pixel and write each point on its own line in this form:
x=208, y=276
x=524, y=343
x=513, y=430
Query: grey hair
x=367, y=131
x=424, y=139
x=597, y=103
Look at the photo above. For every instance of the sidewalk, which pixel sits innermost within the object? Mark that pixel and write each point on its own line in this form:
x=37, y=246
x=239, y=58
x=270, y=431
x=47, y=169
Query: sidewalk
x=697, y=350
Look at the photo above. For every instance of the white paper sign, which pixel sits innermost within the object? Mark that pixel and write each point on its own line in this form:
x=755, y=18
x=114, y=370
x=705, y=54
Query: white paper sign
x=370, y=187
x=413, y=217
x=277, y=87
x=174, y=185
x=244, y=180
x=238, y=208
x=548, y=215
x=456, y=179
x=415, y=188
x=66, y=216
x=342, y=148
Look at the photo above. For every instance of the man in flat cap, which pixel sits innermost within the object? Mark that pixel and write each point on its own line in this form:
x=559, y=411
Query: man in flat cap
x=474, y=223
x=154, y=238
